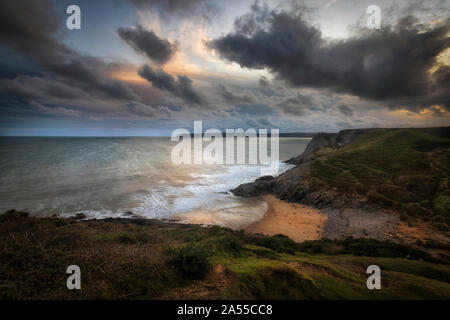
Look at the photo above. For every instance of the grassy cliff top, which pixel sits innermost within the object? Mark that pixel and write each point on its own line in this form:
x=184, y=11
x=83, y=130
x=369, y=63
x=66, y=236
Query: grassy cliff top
x=404, y=169
x=146, y=259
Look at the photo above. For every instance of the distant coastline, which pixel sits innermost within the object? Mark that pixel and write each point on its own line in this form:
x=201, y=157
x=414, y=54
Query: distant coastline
x=283, y=135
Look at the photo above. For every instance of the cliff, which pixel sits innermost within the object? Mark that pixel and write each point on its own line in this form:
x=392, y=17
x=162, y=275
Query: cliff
x=327, y=140
x=403, y=170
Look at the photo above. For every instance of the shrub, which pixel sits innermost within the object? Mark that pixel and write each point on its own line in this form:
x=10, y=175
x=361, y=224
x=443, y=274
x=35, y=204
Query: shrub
x=364, y=247
x=125, y=238
x=440, y=226
x=229, y=244
x=279, y=242
x=80, y=216
x=190, y=261
x=441, y=205
x=415, y=210
x=312, y=246
x=276, y=283
x=378, y=199
x=13, y=215
x=118, y=237
x=440, y=218
x=430, y=243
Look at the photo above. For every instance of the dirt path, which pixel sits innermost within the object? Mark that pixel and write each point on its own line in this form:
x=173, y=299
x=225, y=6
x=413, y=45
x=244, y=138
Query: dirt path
x=213, y=287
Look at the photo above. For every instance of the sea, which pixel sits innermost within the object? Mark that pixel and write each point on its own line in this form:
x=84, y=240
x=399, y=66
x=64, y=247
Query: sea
x=118, y=177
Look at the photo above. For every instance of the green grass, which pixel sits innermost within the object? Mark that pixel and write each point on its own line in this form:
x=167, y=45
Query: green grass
x=145, y=259
x=403, y=169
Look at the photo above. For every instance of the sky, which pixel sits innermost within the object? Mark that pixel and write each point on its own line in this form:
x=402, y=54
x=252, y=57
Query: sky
x=148, y=67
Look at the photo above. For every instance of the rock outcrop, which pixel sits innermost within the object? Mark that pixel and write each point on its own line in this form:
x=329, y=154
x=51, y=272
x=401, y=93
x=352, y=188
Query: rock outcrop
x=386, y=171
x=327, y=140
x=260, y=186
x=294, y=185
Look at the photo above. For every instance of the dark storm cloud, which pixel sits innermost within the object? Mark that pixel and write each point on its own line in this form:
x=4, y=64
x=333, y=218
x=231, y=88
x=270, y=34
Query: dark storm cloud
x=263, y=81
x=442, y=77
x=180, y=87
x=387, y=64
x=297, y=105
x=86, y=73
x=31, y=29
x=233, y=98
x=31, y=88
x=436, y=7
x=143, y=110
x=253, y=110
x=155, y=48
x=166, y=8
x=345, y=110
x=30, y=26
x=260, y=123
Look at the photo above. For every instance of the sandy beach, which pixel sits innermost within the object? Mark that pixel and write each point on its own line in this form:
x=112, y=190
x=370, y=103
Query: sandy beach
x=297, y=221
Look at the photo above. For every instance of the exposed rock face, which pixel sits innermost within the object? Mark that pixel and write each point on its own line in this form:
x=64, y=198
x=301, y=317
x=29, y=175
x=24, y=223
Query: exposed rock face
x=292, y=185
x=361, y=186
x=327, y=140
x=260, y=186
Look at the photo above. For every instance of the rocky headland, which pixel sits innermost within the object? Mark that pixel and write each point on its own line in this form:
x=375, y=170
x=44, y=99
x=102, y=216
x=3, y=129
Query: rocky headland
x=368, y=181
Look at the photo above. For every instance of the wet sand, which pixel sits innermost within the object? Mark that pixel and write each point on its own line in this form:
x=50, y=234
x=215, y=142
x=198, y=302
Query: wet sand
x=301, y=222
x=297, y=221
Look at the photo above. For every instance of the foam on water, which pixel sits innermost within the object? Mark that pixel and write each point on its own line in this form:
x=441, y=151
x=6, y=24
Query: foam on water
x=205, y=200
x=105, y=178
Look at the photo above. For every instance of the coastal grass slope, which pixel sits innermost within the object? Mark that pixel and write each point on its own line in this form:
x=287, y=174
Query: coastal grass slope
x=403, y=169
x=148, y=259
x=400, y=171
